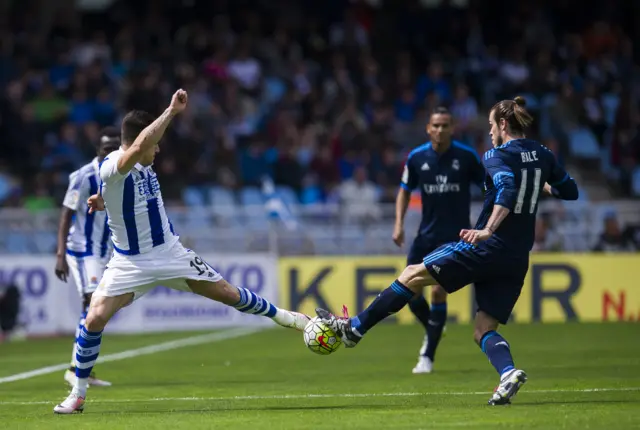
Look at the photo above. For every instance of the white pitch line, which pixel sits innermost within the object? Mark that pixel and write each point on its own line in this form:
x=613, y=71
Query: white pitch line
x=151, y=349
x=330, y=396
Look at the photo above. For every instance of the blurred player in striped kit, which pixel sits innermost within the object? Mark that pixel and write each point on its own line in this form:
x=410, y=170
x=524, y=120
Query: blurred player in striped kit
x=83, y=237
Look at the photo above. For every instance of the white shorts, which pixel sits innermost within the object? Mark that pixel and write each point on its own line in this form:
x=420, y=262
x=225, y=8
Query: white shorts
x=169, y=266
x=86, y=272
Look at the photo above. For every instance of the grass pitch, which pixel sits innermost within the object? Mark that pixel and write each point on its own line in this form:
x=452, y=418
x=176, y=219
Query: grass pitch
x=581, y=376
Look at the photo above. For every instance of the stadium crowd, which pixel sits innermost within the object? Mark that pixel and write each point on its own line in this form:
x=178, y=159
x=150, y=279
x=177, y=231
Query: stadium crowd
x=326, y=98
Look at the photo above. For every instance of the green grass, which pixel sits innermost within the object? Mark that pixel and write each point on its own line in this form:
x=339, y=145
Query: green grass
x=264, y=381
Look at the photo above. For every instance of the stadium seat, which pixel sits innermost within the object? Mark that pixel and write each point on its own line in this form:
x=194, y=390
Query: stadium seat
x=255, y=214
x=583, y=144
x=223, y=202
x=288, y=196
x=193, y=196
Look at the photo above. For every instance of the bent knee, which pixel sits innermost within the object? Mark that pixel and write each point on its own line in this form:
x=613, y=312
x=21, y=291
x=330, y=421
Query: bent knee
x=438, y=294
x=95, y=322
x=416, y=277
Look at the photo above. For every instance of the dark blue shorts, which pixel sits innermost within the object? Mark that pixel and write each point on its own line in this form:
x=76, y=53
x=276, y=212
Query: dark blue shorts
x=419, y=248
x=498, y=277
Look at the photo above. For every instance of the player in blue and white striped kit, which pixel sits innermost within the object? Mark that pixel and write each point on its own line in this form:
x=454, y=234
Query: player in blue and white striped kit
x=83, y=238
x=494, y=256
x=147, y=251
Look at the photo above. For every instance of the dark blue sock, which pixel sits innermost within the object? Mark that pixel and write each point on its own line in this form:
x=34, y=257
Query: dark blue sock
x=387, y=303
x=420, y=308
x=498, y=351
x=435, y=327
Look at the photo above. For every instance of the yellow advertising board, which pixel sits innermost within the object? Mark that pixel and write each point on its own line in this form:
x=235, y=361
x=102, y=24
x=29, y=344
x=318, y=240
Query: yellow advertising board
x=558, y=287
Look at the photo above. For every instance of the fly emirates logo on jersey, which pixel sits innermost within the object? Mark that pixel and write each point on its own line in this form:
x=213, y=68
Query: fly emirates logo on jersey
x=441, y=186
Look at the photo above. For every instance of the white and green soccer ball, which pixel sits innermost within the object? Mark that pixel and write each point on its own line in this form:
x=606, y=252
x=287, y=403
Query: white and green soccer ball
x=319, y=337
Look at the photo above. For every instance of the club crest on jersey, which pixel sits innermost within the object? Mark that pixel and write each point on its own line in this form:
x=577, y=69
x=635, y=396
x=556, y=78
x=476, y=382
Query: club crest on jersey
x=456, y=164
x=424, y=167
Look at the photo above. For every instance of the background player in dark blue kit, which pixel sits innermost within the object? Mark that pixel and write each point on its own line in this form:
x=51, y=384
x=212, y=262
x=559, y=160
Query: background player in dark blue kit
x=494, y=256
x=443, y=170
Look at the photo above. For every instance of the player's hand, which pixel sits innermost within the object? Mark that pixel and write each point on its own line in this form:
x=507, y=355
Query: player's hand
x=62, y=269
x=546, y=190
x=178, y=101
x=475, y=236
x=398, y=235
x=95, y=203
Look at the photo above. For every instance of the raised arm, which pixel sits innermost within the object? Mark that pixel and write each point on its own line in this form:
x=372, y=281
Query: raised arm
x=151, y=135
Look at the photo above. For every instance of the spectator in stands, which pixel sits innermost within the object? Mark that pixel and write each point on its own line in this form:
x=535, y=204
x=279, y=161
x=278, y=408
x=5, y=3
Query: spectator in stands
x=612, y=238
x=359, y=198
x=546, y=238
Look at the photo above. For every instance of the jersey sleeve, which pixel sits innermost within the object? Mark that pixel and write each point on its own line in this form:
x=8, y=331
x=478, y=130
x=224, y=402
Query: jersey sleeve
x=503, y=180
x=76, y=191
x=109, y=168
x=562, y=185
x=409, y=179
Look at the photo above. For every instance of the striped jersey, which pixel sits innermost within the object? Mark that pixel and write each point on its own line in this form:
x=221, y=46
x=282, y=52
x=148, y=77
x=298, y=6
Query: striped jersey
x=135, y=208
x=89, y=234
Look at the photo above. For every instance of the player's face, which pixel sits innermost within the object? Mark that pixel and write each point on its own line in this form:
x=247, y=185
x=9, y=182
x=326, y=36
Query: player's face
x=440, y=129
x=150, y=155
x=107, y=149
x=495, y=132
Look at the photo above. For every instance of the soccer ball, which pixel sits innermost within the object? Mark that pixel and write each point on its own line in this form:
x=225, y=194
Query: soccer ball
x=319, y=337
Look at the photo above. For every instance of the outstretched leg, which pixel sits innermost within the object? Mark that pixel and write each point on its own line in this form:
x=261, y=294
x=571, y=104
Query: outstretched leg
x=248, y=302
x=412, y=280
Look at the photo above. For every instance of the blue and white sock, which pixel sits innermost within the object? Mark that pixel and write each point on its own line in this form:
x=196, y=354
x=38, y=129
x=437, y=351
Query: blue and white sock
x=251, y=303
x=83, y=316
x=87, y=350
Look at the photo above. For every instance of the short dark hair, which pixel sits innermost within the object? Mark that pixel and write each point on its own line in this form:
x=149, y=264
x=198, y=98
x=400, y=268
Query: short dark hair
x=514, y=113
x=133, y=123
x=440, y=110
x=108, y=135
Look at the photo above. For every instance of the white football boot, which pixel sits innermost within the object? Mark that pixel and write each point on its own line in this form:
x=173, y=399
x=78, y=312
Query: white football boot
x=290, y=319
x=71, y=405
x=509, y=385
x=425, y=365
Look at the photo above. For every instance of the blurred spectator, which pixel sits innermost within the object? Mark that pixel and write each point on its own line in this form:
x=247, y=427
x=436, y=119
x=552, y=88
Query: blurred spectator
x=359, y=198
x=546, y=239
x=612, y=238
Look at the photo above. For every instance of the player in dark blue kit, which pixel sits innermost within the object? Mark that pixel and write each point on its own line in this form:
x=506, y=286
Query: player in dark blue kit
x=443, y=170
x=494, y=256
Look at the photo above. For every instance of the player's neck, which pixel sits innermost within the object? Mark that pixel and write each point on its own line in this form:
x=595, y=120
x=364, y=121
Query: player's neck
x=510, y=137
x=443, y=147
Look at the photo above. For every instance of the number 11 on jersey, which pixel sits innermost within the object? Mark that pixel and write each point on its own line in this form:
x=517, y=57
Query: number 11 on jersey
x=523, y=191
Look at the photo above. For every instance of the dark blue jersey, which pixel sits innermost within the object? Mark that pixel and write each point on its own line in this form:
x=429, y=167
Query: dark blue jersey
x=445, y=182
x=516, y=174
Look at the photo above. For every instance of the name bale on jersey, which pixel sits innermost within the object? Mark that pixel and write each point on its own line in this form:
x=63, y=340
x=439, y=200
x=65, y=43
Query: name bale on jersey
x=441, y=186
x=529, y=157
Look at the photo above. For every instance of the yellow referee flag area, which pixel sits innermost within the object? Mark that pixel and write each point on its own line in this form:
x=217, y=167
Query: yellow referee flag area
x=558, y=288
